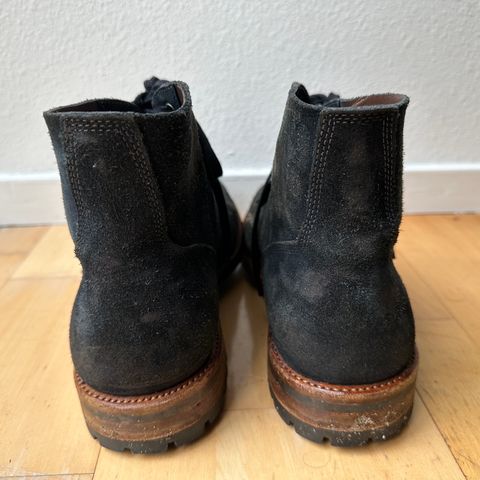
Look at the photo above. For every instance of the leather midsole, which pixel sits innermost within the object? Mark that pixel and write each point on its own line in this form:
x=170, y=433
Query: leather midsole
x=158, y=415
x=333, y=407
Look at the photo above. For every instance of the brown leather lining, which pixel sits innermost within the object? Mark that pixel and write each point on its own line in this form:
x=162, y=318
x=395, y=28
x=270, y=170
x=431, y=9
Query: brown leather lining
x=371, y=100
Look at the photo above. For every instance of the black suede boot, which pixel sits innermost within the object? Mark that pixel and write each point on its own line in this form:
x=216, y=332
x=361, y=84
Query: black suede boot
x=156, y=234
x=320, y=238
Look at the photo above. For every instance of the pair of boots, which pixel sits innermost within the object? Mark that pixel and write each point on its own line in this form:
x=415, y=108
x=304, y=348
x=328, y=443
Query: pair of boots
x=157, y=235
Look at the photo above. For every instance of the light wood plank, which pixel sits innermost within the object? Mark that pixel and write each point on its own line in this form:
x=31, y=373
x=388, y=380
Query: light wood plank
x=19, y=239
x=42, y=431
x=15, y=244
x=50, y=477
x=8, y=264
x=52, y=256
x=462, y=230
x=426, y=304
x=448, y=262
x=244, y=326
x=256, y=444
x=449, y=373
x=450, y=387
x=438, y=262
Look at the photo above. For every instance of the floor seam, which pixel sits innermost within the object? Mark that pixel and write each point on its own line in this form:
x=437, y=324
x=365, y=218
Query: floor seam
x=96, y=462
x=441, y=433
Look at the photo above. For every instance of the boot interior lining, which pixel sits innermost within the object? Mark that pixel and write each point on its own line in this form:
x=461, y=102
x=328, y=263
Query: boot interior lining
x=371, y=100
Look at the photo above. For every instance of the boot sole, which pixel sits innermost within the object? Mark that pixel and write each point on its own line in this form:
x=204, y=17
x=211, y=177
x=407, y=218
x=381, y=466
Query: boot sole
x=151, y=423
x=346, y=415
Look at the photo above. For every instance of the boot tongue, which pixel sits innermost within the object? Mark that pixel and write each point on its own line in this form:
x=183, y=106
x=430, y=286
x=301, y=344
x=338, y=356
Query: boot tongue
x=330, y=100
x=159, y=96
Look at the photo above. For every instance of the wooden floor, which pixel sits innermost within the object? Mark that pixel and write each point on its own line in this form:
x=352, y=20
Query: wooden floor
x=41, y=426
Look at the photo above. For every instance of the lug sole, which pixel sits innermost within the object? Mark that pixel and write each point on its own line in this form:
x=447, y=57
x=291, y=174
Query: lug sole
x=345, y=415
x=151, y=423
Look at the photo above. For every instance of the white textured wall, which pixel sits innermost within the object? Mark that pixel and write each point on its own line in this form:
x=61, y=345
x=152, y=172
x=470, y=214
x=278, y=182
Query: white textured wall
x=239, y=58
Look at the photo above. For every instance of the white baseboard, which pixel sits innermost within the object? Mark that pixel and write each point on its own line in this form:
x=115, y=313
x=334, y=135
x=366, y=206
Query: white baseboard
x=32, y=199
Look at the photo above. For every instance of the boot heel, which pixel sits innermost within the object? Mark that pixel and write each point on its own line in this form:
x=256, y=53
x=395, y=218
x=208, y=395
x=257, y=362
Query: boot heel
x=150, y=423
x=346, y=415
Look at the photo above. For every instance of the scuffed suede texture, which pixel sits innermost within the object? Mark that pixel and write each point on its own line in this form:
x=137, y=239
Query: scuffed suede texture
x=322, y=240
x=145, y=224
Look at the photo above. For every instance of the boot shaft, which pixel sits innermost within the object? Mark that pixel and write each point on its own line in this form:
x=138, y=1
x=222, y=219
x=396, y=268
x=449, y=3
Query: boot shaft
x=338, y=170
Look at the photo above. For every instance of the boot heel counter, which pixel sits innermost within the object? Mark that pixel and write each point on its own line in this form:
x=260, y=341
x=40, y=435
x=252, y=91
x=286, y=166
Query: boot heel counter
x=145, y=326
x=334, y=284
x=351, y=324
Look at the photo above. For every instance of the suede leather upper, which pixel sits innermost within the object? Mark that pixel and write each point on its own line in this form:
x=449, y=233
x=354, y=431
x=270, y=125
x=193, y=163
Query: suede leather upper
x=144, y=211
x=322, y=236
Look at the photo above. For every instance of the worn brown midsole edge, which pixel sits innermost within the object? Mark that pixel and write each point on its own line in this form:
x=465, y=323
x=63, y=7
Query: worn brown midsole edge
x=346, y=408
x=159, y=415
